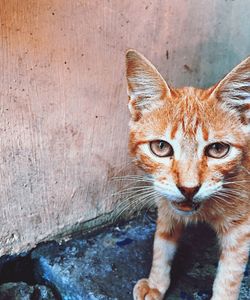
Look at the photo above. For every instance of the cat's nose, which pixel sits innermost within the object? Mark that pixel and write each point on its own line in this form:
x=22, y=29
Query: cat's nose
x=189, y=192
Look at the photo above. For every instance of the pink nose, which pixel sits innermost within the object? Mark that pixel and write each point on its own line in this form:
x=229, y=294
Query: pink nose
x=189, y=192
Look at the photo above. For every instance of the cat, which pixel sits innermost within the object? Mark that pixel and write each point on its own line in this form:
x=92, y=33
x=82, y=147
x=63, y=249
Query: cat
x=194, y=145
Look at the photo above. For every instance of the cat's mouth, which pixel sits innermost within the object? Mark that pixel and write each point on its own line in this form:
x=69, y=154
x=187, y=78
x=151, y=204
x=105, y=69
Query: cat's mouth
x=186, y=206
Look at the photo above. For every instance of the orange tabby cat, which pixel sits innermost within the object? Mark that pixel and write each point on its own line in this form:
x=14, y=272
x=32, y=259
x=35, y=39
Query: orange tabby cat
x=194, y=143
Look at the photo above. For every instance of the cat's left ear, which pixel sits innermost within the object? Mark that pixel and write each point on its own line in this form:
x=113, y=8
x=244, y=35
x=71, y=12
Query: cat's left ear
x=234, y=89
x=146, y=88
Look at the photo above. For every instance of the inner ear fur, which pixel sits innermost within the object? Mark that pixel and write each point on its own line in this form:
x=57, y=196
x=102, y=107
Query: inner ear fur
x=145, y=86
x=234, y=88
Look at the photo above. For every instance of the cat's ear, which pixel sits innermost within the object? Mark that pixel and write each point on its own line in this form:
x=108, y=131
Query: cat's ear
x=234, y=89
x=146, y=87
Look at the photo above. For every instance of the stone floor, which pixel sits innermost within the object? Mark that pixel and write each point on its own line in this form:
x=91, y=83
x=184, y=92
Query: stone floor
x=107, y=265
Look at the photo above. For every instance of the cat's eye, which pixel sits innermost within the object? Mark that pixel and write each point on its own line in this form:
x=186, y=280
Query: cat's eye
x=217, y=150
x=161, y=148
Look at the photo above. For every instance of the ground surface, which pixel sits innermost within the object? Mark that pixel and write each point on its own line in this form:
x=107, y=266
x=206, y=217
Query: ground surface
x=106, y=266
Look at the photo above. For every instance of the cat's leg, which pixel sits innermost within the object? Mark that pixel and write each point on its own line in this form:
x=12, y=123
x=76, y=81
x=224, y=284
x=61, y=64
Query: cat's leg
x=233, y=259
x=165, y=244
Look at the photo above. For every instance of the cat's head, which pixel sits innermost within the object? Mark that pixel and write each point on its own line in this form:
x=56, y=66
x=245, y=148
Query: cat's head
x=191, y=141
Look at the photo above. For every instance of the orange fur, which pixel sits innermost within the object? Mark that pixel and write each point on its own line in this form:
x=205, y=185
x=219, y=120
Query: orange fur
x=192, y=186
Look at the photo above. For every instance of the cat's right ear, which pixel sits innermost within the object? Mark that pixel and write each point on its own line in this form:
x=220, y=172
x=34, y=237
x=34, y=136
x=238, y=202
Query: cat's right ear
x=146, y=87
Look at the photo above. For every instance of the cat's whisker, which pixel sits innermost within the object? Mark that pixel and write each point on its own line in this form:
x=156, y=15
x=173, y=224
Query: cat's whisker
x=232, y=195
x=123, y=167
x=141, y=197
x=235, y=184
x=219, y=199
x=130, y=201
x=148, y=203
x=148, y=199
x=137, y=208
x=131, y=179
x=131, y=191
x=236, y=181
x=234, y=192
x=123, y=207
x=230, y=199
x=134, y=179
x=136, y=194
x=136, y=198
x=131, y=176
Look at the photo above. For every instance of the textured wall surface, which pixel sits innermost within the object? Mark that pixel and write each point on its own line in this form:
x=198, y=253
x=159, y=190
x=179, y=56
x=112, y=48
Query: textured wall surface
x=63, y=114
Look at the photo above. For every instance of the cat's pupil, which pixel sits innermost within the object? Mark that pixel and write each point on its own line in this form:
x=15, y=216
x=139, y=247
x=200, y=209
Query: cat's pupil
x=218, y=147
x=161, y=145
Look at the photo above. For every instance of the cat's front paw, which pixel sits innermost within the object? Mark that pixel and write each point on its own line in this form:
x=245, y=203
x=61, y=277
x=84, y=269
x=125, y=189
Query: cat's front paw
x=144, y=291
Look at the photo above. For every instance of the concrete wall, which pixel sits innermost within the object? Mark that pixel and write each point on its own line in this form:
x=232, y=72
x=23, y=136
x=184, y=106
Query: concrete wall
x=63, y=114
